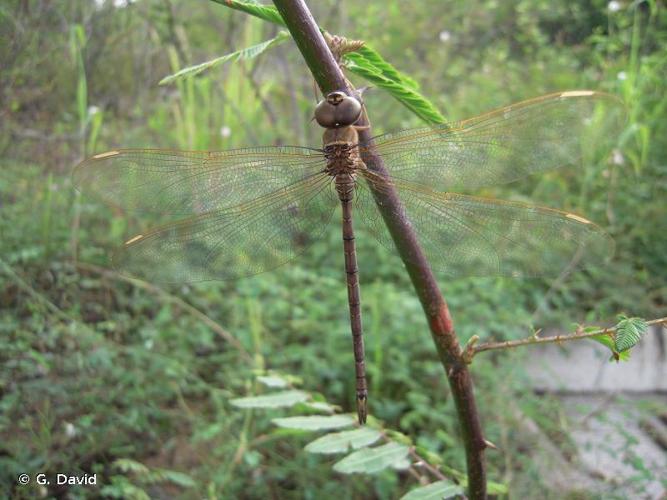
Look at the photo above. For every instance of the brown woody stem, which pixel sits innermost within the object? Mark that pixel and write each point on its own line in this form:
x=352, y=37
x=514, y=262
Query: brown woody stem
x=329, y=77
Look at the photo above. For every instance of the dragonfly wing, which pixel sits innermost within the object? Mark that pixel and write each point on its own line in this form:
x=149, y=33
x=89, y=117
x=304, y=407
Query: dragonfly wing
x=229, y=243
x=470, y=236
x=192, y=182
x=505, y=144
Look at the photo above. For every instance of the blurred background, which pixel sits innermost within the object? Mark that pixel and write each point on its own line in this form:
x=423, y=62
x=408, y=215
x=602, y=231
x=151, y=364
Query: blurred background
x=102, y=374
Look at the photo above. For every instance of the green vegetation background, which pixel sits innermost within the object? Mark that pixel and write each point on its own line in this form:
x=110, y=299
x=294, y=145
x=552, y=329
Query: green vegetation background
x=96, y=368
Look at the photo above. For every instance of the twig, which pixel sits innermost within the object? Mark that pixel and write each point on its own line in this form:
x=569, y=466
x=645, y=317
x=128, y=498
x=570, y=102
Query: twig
x=23, y=285
x=577, y=335
x=434, y=470
x=424, y=463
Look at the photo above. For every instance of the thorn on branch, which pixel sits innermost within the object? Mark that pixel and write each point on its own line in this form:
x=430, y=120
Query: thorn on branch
x=469, y=349
x=489, y=444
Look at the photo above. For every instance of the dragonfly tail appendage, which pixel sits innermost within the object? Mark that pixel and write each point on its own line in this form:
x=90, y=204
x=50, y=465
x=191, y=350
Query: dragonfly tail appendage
x=362, y=407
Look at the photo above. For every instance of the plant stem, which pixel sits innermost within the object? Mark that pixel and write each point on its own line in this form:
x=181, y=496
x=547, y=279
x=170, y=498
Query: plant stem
x=329, y=77
x=578, y=335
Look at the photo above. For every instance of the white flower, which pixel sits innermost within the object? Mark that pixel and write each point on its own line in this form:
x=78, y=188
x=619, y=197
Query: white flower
x=93, y=110
x=614, y=6
x=70, y=430
x=119, y=4
x=622, y=75
x=225, y=131
x=445, y=36
x=617, y=157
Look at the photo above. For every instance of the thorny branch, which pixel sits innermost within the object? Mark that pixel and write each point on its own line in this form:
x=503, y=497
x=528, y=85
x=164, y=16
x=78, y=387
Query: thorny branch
x=472, y=349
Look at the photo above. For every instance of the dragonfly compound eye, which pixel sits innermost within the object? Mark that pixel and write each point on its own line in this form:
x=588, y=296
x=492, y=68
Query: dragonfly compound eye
x=337, y=110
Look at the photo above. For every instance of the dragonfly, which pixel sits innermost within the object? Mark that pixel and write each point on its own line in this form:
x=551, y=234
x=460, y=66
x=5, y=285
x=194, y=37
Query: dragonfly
x=230, y=214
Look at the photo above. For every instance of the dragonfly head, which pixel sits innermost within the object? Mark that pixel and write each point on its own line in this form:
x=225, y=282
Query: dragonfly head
x=337, y=110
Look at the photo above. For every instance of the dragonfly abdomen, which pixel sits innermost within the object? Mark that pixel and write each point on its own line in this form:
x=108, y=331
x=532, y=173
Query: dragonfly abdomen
x=345, y=188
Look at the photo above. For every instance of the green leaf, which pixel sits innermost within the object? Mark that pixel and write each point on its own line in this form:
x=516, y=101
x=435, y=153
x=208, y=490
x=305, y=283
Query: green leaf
x=399, y=437
x=494, y=488
x=247, y=53
x=320, y=406
x=342, y=442
x=629, y=331
x=253, y=458
x=178, y=478
x=314, y=423
x=121, y=487
x=372, y=460
x=272, y=381
x=434, y=491
x=274, y=400
x=607, y=341
x=129, y=465
x=386, y=68
x=266, y=12
x=402, y=90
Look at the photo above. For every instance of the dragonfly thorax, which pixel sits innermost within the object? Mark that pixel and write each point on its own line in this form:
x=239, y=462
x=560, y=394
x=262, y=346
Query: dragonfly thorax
x=341, y=151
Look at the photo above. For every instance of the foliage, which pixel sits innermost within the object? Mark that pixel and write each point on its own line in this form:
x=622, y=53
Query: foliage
x=368, y=64
x=265, y=12
x=277, y=400
x=97, y=370
x=609, y=342
x=124, y=485
x=438, y=490
x=628, y=332
x=365, y=62
x=247, y=53
x=364, y=454
x=342, y=441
